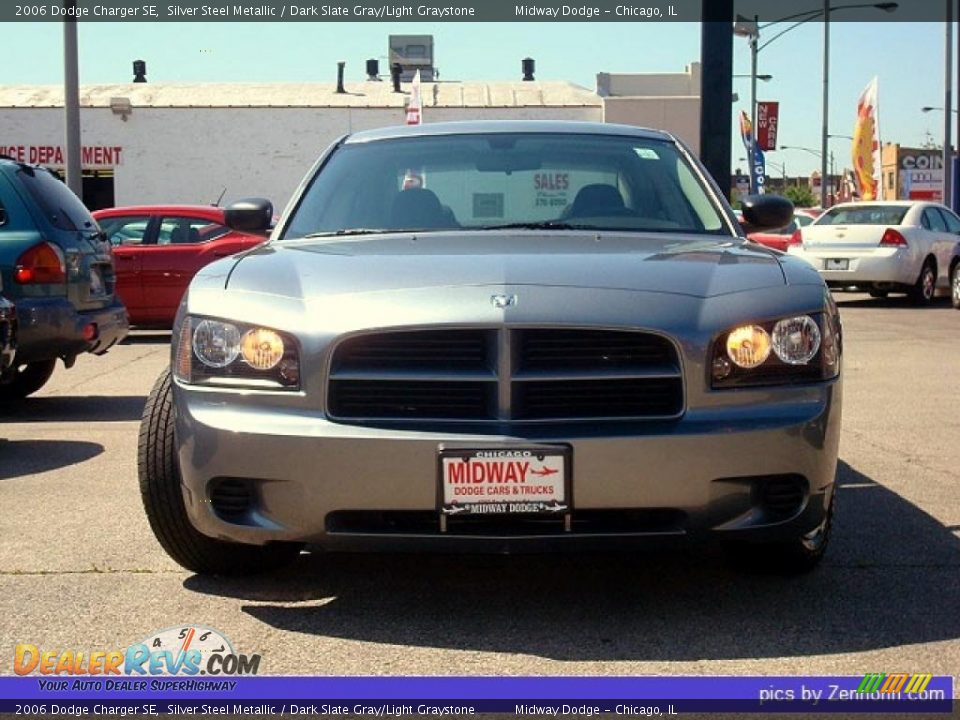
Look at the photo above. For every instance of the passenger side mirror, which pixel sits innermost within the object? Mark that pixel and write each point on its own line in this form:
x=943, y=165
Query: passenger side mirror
x=251, y=215
x=765, y=212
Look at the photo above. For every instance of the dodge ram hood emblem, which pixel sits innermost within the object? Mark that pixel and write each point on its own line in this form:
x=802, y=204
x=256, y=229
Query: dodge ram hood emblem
x=503, y=301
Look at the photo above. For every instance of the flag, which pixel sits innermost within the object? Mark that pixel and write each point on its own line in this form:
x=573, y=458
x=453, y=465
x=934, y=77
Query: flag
x=415, y=105
x=758, y=170
x=865, y=148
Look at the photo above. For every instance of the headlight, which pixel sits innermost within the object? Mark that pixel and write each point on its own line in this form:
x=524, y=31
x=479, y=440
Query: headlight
x=216, y=344
x=796, y=340
x=748, y=346
x=217, y=352
x=796, y=349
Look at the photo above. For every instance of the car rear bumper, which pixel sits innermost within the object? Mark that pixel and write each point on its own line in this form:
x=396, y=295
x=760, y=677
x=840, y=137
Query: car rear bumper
x=295, y=477
x=894, y=266
x=52, y=327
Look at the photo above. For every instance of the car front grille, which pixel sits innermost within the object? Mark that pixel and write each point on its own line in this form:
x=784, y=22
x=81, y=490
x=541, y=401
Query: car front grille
x=505, y=375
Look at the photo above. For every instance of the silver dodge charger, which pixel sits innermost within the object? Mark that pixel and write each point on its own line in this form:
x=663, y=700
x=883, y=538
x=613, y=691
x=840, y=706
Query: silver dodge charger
x=498, y=336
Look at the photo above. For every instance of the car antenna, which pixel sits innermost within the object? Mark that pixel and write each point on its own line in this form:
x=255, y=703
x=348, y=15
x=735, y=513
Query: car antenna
x=217, y=203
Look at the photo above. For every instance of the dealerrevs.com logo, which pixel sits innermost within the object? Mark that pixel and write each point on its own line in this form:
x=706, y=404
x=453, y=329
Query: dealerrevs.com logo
x=185, y=650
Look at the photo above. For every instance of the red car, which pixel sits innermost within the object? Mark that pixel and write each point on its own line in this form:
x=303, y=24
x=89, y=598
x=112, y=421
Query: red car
x=780, y=239
x=157, y=249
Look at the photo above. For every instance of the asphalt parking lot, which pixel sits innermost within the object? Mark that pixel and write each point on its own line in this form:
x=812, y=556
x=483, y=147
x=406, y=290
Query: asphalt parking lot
x=80, y=569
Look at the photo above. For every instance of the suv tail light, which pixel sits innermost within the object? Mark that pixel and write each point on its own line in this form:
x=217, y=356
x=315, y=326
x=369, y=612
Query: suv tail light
x=40, y=264
x=892, y=238
x=795, y=239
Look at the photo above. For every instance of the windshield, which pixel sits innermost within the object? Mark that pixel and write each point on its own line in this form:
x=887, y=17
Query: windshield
x=488, y=181
x=864, y=215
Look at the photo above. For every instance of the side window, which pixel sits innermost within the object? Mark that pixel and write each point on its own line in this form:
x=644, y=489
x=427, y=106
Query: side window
x=952, y=221
x=186, y=230
x=125, y=230
x=932, y=220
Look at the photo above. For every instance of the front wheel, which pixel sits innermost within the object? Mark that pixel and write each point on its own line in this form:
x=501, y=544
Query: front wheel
x=955, y=286
x=925, y=288
x=22, y=380
x=791, y=557
x=163, y=501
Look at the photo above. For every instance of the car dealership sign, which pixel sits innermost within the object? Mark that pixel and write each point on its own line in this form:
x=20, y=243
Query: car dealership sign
x=768, y=115
x=90, y=155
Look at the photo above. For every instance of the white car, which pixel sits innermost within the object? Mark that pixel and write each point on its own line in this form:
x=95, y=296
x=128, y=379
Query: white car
x=885, y=246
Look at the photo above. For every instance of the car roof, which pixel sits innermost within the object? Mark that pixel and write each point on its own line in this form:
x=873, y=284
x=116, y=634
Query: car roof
x=473, y=127
x=901, y=203
x=206, y=210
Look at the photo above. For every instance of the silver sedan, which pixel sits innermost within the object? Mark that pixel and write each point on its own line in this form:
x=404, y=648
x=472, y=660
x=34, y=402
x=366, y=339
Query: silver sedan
x=497, y=336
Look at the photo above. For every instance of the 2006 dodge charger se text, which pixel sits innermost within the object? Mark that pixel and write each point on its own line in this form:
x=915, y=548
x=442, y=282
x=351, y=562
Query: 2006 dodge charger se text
x=496, y=336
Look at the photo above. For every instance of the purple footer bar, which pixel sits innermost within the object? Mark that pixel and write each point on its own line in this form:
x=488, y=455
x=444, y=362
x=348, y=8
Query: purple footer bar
x=638, y=696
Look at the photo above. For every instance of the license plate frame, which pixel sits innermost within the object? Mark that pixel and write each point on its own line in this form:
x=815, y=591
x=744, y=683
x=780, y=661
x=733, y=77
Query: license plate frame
x=836, y=264
x=548, y=472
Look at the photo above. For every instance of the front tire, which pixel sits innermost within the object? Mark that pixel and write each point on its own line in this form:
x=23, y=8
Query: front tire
x=163, y=501
x=23, y=380
x=925, y=288
x=792, y=557
x=955, y=286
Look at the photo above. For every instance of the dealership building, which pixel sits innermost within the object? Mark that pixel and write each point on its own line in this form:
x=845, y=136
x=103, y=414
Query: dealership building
x=911, y=173
x=145, y=142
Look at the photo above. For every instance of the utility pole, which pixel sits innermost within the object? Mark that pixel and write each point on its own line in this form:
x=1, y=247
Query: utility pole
x=948, y=109
x=71, y=98
x=824, y=179
x=716, y=89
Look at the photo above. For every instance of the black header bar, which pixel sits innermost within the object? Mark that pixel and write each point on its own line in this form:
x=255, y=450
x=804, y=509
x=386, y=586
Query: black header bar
x=650, y=11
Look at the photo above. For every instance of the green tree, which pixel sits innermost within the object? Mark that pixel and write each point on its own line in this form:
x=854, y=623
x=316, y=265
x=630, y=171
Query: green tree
x=800, y=196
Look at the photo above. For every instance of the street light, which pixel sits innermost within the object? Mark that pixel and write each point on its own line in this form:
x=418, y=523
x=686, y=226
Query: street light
x=929, y=108
x=751, y=30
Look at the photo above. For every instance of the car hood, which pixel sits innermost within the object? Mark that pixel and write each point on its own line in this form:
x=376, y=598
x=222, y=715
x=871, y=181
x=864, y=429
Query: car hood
x=693, y=265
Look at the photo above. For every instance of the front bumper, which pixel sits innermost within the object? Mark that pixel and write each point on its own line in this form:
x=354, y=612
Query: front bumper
x=893, y=266
x=52, y=328
x=345, y=487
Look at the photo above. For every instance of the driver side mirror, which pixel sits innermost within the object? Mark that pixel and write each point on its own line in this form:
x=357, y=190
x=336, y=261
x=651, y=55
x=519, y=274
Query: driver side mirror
x=252, y=215
x=765, y=212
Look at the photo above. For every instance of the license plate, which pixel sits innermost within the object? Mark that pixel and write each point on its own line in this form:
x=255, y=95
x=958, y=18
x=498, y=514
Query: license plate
x=836, y=264
x=504, y=481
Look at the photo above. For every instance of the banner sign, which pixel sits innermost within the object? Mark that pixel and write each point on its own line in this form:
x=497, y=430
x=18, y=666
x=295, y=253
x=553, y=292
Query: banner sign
x=767, y=119
x=415, y=103
x=664, y=696
x=865, y=148
x=758, y=170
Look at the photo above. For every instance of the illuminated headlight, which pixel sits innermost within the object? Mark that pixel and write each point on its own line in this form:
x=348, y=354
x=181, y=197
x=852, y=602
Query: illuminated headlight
x=798, y=349
x=217, y=352
x=748, y=346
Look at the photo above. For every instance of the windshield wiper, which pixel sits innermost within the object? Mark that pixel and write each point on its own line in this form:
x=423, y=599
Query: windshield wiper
x=543, y=225
x=349, y=231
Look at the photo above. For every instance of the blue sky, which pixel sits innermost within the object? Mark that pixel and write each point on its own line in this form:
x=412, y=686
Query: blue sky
x=907, y=57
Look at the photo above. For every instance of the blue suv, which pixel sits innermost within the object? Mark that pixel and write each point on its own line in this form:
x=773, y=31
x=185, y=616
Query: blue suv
x=57, y=268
